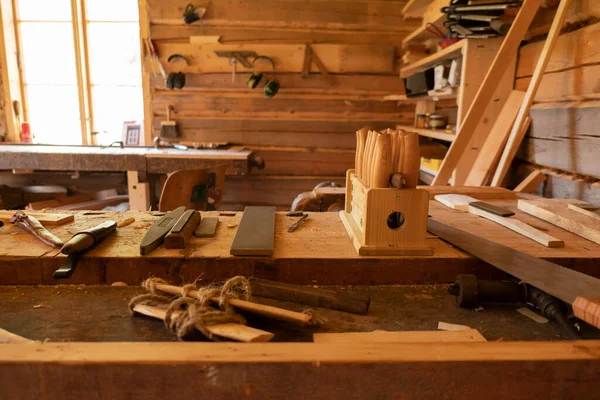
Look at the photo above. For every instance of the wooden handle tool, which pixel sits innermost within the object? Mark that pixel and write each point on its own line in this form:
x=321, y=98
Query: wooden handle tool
x=183, y=229
x=361, y=139
x=411, y=162
x=372, y=157
x=368, y=155
x=382, y=165
x=84, y=240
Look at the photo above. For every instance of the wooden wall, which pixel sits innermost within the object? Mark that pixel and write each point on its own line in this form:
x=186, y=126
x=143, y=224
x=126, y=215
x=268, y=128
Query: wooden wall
x=564, y=139
x=306, y=134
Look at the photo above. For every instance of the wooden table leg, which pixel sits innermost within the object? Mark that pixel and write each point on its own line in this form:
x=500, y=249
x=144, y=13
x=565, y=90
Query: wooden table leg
x=139, y=192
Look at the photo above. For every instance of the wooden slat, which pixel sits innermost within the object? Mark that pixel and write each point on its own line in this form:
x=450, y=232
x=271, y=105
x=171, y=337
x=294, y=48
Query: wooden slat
x=516, y=135
x=556, y=212
x=255, y=235
x=558, y=281
x=531, y=183
x=494, y=144
x=484, y=95
x=471, y=335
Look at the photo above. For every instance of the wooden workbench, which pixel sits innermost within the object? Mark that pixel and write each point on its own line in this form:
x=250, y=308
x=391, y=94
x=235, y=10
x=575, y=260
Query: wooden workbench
x=319, y=252
x=137, y=161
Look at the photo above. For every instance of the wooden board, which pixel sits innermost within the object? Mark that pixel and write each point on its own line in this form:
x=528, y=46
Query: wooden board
x=558, y=281
x=531, y=183
x=484, y=94
x=255, y=234
x=366, y=371
x=480, y=192
x=556, y=211
x=471, y=335
x=44, y=218
x=494, y=144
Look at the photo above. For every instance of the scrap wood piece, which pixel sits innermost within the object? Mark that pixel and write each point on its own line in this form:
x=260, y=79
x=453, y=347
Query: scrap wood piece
x=458, y=202
x=557, y=212
x=238, y=332
x=256, y=233
x=517, y=133
x=445, y=326
x=7, y=337
x=588, y=309
x=529, y=184
x=315, y=297
x=44, y=218
x=379, y=336
x=507, y=51
x=590, y=210
x=207, y=227
x=558, y=281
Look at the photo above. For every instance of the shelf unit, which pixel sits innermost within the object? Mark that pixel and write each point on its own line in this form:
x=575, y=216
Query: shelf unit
x=449, y=53
x=438, y=134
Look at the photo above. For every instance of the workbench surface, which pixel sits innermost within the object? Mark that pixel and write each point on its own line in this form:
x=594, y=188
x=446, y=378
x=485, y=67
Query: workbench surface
x=319, y=252
x=61, y=314
x=141, y=159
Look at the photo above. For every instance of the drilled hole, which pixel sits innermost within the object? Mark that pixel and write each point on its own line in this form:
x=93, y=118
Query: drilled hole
x=395, y=220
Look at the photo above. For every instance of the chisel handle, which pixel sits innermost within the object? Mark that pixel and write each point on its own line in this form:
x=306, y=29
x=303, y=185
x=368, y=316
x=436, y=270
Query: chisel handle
x=412, y=160
x=382, y=161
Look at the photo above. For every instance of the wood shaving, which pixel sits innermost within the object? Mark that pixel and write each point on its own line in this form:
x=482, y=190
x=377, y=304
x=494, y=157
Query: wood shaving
x=125, y=222
x=232, y=225
x=37, y=306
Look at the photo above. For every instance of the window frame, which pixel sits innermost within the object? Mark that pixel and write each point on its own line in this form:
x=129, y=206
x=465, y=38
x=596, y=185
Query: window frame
x=82, y=63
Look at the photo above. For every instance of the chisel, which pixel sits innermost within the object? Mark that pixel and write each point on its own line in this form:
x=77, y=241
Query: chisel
x=382, y=165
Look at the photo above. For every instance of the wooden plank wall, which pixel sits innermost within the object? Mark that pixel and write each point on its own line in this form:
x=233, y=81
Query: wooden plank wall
x=564, y=139
x=305, y=133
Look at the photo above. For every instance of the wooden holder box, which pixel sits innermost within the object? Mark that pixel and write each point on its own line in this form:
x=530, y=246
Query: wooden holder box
x=386, y=221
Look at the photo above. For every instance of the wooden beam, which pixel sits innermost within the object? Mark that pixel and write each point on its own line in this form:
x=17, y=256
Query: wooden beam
x=471, y=335
x=531, y=183
x=484, y=95
x=143, y=12
x=264, y=371
x=139, y=192
x=10, y=72
x=516, y=135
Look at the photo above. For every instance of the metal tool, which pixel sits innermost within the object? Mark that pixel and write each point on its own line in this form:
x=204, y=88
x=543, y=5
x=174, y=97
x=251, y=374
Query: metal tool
x=159, y=144
x=292, y=228
x=33, y=226
x=80, y=244
x=236, y=57
x=471, y=292
x=156, y=235
x=481, y=7
x=295, y=214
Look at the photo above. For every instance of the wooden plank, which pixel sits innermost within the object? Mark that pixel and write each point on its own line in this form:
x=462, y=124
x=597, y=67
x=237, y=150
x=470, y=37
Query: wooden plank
x=590, y=210
x=451, y=52
x=531, y=183
x=516, y=135
x=455, y=201
x=44, y=218
x=588, y=309
x=287, y=57
x=556, y=212
x=366, y=371
x=471, y=335
x=520, y=227
x=492, y=149
x=480, y=192
x=255, y=235
x=484, y=95
x=430, y=133
x=558, y=281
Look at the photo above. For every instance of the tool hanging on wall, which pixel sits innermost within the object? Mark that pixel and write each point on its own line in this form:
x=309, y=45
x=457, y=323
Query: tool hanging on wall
x=236, y=57
x=193, y=14
x=168, y=128
x=309, y=58
x=154, y=57
x=176, y=80
x=260, y=64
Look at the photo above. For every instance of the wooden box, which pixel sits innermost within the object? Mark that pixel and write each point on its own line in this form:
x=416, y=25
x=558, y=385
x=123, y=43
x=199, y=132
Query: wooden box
x=386, y=221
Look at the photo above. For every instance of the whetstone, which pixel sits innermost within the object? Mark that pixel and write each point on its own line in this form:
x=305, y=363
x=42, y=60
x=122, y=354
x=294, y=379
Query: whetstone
x=181, y=232
x=255, y=235
x=207, y=227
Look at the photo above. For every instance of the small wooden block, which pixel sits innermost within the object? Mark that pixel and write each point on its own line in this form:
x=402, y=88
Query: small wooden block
x=181, y=232
x=207, y=227
x=502, y=212
x=458, y=202
x=590, y=210
x=255, y=235
x=588, y=310
x=44, y=218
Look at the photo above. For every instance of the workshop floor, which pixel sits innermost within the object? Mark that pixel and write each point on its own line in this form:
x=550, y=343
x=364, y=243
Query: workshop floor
x=100, y=313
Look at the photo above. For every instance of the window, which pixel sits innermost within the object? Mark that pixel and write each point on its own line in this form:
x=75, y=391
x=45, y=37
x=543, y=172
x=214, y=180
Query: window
x=80, y=68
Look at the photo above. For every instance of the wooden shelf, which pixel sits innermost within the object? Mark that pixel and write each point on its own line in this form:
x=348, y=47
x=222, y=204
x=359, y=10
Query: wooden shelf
x=415, y=8
x=431, y=133
x=421, y=34
x=449, y=53
x=448, y=93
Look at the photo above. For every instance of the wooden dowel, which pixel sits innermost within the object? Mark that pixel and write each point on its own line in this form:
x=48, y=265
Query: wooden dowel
x=260, y=309
x=238, y=332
